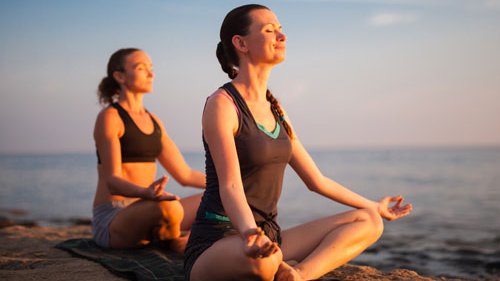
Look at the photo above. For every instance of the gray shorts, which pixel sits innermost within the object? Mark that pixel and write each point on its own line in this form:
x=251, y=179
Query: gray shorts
x=102, y=216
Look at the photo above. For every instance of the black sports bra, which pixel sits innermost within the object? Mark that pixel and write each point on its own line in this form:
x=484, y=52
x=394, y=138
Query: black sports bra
x=137, y=146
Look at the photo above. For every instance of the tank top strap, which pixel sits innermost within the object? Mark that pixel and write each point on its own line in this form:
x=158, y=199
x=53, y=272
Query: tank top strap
x=123, y=113
x=128, y=120
x=238, y=99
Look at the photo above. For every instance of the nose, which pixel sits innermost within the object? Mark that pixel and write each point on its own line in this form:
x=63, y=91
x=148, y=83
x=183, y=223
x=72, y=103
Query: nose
x=281, y=36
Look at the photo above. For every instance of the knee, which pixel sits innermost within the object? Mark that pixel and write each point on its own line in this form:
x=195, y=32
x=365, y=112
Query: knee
x=169, y=211
x=375, y=223
x=170, y=215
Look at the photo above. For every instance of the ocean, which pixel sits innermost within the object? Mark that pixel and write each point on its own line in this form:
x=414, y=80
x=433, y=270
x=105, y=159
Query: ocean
x=454, y=230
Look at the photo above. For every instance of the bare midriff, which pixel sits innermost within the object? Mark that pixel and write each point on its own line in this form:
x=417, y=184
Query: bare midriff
x=141, y=174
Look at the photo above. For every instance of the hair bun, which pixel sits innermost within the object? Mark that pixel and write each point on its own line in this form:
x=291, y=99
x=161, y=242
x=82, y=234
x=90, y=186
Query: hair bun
x=226, y=66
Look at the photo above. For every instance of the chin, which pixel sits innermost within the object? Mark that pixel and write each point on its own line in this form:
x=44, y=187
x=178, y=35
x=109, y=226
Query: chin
x=280, y=59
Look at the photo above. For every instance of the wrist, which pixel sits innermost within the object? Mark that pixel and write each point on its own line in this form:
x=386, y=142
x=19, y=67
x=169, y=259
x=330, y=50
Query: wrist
x=252, y=231
x=145, y=194
x=375, y=206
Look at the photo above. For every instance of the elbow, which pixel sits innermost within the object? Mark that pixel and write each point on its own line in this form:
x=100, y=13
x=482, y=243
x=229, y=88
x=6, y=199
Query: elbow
x=315, y=185
x=183, y=180
x=112, y=190
x=313, y=188
x=183, y=183
x=110, y=183
x=189, y=179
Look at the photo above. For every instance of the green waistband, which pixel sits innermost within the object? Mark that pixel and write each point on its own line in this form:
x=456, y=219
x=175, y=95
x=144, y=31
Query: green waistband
x=216, y=217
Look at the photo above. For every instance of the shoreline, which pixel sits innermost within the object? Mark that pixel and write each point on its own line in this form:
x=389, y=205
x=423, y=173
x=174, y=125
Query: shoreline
x=27, y=253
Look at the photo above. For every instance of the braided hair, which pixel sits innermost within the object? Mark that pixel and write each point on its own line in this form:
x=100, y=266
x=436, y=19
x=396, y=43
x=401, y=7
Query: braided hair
x=237, y=22
x=276, y=108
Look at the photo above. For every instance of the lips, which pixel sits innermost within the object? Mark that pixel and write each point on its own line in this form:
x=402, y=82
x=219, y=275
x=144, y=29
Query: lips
x=279, y=47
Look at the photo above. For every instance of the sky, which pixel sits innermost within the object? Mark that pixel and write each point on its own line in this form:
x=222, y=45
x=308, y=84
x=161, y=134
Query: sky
x=359, y=73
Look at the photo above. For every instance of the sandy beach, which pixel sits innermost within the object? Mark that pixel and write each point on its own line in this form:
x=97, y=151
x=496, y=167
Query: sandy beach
x=28, y=253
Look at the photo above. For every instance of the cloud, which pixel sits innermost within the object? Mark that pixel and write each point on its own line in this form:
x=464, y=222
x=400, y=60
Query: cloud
x=386, y=19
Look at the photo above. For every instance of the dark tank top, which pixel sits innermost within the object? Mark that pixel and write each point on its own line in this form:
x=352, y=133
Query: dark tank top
x=137, y=146
x=262, y=158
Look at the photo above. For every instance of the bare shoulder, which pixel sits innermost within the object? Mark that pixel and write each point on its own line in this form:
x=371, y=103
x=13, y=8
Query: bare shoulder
x=108, y=113
x=220, y=111
x=108, y=120
x=219, y=100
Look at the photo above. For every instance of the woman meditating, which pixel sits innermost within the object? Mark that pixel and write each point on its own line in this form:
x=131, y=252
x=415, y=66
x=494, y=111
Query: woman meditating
x=131, y=208
x=249, y=140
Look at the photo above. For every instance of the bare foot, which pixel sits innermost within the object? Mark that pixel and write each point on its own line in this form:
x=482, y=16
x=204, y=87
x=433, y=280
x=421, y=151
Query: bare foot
x=179, y=244
x=287, y=273
x=166, y=232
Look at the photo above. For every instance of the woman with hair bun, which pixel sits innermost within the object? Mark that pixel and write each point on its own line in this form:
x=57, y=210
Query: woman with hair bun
x=249, y=140
x=131, y=208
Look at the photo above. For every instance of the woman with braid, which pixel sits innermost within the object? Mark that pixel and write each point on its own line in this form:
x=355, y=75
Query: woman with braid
x=130, y=206
x=248, y=141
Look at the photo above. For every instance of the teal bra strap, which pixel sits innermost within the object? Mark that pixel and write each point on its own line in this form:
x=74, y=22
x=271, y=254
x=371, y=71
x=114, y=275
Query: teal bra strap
x=274, y=134
x=216, y=217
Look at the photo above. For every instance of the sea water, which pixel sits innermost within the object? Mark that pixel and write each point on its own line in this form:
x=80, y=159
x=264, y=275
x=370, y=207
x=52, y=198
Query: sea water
x=454, y=229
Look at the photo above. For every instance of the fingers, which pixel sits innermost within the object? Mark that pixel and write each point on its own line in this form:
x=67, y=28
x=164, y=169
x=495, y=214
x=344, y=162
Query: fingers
x=406, y=209
x=253, y=238
x=166, y=196
x=399, y=212
x=157, y=188
x=268, y=249
x=252, y=250
x=399, y=201
x=263, y=251
x=162, y=181
x=258, y=244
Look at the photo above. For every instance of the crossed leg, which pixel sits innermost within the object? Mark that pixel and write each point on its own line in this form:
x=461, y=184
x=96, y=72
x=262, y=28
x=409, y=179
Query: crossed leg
x=226, y=260
x=139, y=222
x=325, y=244
x=190, y=205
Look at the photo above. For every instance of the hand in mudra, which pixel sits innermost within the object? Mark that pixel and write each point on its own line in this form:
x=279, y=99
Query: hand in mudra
x=156, y=190
x=396, y=211
x=258, y=245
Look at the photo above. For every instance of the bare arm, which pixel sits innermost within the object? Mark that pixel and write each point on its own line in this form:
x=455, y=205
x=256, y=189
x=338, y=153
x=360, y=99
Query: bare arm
x=220, y=122
x=173, y=161
x=315, y=181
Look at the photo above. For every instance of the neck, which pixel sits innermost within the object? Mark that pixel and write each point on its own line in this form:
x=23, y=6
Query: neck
x=252, y=81
x=132, y=101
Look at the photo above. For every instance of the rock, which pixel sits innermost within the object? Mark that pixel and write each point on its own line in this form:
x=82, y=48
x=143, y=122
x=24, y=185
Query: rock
x=28, y=253
x=5, y=222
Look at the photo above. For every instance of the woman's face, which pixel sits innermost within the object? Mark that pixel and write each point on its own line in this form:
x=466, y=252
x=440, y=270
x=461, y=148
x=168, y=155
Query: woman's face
x=266, y=40
x=138, y=73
